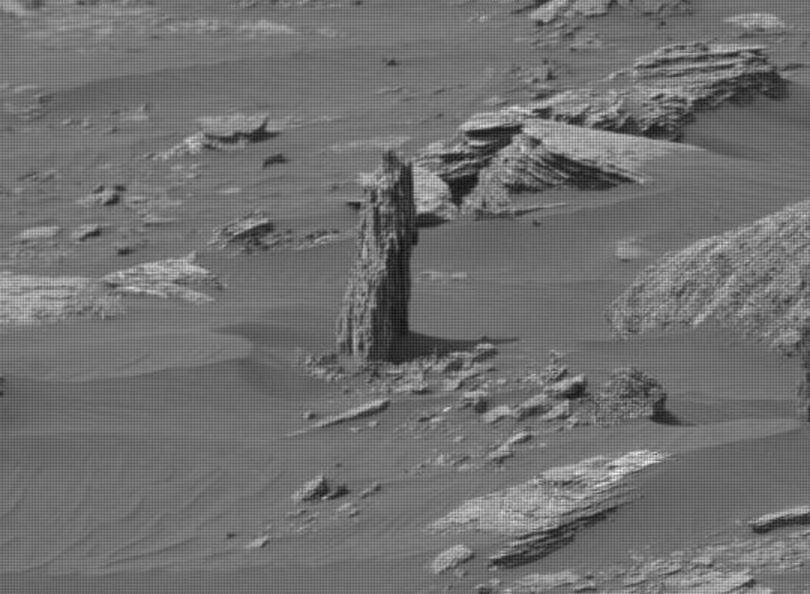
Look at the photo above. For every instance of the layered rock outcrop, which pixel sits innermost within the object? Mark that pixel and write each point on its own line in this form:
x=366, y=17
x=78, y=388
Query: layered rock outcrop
x=544, y=514
x=591, y=137
x=374, y=315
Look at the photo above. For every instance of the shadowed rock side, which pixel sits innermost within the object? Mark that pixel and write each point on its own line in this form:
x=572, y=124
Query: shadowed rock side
x=375, y=307
x=564, y=140
x=754, y=279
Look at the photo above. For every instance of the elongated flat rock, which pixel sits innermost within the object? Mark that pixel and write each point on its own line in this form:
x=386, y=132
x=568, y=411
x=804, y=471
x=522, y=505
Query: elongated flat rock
x=795, y=516
x=358, y=412
x=722, y=585
x=543, y=514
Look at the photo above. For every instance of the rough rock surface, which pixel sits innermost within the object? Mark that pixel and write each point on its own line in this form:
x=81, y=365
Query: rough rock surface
x=245, y=232
x=27, y=299
x=164, y=278
x=374, y=316
x=86, y=231
x=750, y=279
x=535, y=583
x=720, y=567
x=312, y=490
x=38, y=234
x=552, y=10
x=434, y=200
x=544, y=514
x=628, y=394
x=564, y=139
x=451, y=558
x=758, y=23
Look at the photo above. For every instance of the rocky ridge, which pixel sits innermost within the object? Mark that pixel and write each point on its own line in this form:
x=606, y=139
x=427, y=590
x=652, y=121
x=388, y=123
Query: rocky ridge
x=592, y=137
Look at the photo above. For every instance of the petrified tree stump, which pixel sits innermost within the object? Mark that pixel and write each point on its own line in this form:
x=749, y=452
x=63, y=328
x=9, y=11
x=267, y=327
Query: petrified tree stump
x=803, y=392
x=374, y=314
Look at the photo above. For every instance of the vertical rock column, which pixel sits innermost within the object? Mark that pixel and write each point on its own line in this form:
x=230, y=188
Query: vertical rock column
x=374, y=314
x=803, y=392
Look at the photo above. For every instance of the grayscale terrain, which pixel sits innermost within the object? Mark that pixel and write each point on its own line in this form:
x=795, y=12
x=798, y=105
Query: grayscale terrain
x=404, y=296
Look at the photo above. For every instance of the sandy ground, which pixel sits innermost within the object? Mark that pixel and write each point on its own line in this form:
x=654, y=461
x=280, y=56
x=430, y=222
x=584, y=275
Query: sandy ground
x=140, y=454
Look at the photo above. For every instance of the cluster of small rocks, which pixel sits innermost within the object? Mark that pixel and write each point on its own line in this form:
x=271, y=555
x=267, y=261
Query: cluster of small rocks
x=450, y=372
x=629, y=394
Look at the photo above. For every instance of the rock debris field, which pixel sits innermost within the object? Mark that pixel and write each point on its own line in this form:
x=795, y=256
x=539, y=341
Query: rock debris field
x=371, y=296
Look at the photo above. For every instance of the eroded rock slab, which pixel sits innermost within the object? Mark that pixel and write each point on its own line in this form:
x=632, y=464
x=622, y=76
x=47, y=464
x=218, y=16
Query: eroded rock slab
x=165, y=278
x=544, y=514
x=28, y=299
x=795, y=516
x=245, y=232
x=552, y=10
x=451, y=558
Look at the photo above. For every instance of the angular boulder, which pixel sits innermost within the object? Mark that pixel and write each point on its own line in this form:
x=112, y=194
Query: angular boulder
x=630, y=394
